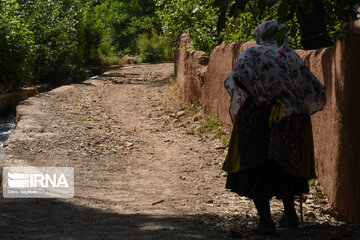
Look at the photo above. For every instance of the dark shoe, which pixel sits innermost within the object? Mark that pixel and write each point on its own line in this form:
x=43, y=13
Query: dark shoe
x=288, y=221
x=264, y=228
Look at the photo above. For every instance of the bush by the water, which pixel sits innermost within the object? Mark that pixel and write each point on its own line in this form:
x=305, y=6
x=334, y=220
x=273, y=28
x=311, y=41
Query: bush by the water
x=43, y=40
x=16, y=45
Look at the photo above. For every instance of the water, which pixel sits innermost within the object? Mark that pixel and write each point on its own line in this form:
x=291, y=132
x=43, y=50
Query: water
x=7, y=125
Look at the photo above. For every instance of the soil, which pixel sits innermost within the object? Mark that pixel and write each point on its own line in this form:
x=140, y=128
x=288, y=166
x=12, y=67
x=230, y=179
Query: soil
x=141, y=172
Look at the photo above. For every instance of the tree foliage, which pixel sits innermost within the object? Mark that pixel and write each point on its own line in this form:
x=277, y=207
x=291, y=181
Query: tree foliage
x=46, y=40
x=210, y=22
x=42, y=40
x=195, y=17
x=57, y=28
x=287, y=12
x=127, y=19
x=201, y=19
x=153, y=48
x=16, y=44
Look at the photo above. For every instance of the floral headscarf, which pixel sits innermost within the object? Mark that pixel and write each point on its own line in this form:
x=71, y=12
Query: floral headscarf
x=269, y=72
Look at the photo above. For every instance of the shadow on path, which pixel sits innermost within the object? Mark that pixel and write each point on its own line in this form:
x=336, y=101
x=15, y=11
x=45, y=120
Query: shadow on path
x=56, y=219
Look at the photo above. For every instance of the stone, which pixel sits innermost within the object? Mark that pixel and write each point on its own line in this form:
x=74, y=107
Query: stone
x=180, y=113
x=130, y=60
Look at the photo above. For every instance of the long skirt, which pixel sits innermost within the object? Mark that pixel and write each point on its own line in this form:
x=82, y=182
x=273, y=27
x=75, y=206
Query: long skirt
x=268, y=180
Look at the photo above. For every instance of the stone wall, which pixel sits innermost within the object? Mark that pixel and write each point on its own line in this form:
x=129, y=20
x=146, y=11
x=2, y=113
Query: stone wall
x=9, y=99
x=336, y=133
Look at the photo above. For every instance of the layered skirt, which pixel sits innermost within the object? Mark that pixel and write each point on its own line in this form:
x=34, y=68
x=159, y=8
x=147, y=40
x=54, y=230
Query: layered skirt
x=269, y=161
x=266, y=181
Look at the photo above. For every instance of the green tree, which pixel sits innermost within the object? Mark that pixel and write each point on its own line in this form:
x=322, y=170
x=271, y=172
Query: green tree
x=43, y=40
x=195, y=17
x=199, y=18
x=314, y=17
x=126, y=19
x=16, y=41
x=57, y=33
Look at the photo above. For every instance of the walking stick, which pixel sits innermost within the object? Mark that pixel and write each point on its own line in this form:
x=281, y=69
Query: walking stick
x=301, y=211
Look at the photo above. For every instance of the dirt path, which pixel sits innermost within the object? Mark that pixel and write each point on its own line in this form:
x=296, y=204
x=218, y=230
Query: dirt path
x=139, y=173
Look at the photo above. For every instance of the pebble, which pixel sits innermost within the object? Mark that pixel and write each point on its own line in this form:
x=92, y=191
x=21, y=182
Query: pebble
x=180, y=113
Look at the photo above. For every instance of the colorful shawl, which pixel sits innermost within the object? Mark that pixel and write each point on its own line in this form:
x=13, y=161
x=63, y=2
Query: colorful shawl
x=269, y=72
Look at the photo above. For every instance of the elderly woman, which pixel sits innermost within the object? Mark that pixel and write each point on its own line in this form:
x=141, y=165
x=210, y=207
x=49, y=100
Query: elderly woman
x=271, y=153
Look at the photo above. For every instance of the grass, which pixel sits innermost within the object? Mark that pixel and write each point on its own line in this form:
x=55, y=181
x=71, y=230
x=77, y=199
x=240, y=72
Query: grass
x=210, y=124
x=103, y=60
x=110, y=60
x=112, y=149
x=214, y=126
x=192, y=108
x=225, y=139
x=312, y=182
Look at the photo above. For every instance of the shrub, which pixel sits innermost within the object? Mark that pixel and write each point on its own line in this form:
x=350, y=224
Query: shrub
x=16, y=42
x=57, y=30
x=153, y=49
x=126, y=20
x=95, y=37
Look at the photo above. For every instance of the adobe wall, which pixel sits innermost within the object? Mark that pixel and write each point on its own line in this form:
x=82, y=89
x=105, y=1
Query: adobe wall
x=336, y=133
x=222, y=59
x=180, y=56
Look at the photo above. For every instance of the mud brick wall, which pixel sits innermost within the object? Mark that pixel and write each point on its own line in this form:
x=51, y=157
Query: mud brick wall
x=336, y=129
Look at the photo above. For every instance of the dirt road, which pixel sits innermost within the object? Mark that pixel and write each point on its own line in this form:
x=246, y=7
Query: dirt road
x=139, y=172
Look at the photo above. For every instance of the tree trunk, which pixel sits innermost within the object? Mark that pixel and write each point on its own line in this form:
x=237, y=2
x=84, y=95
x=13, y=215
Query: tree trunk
x=313, y=30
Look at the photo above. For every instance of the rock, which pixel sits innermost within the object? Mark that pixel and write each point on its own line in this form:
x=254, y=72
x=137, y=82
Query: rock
x=130, y=60
x=219, y=147
x=190, y=131
x=310, y=215
x=180, y=113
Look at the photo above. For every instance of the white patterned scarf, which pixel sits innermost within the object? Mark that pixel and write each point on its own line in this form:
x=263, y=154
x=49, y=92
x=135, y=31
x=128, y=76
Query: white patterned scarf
x=269, y=72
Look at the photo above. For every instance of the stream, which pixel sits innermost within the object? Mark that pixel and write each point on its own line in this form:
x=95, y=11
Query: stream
x=7, y=125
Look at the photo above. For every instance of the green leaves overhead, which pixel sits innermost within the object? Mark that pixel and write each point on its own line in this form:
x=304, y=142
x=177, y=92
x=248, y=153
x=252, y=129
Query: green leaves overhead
x=237, y=8
x=285, y=9
x=196, y=17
